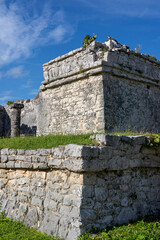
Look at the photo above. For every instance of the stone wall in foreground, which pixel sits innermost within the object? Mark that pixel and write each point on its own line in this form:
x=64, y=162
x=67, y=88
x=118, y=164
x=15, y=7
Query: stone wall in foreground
x=66, y=190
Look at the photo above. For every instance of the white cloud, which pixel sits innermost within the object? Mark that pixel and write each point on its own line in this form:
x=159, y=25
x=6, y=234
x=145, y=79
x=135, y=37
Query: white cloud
x=23, y=28
x=5, y=97
x=27, y=84
x=58, y=33
x=34, y=91
x=16, y=72
x=131, y=8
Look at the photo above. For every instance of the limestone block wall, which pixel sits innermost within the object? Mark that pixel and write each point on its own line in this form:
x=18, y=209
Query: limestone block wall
x=71, y=100
x=66, y=190
x=100, y=89
x=1, y=120
x=131, y=92
x=72, y=108
x=29, y=117
x=10, y=118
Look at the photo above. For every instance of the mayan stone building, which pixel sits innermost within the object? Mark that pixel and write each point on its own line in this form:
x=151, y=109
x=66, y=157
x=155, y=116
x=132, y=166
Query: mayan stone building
x=104, y=87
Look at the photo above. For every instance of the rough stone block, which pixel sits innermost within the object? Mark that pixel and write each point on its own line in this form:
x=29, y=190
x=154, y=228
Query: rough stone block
x=10, y=164
x=4, y=158
x=54, y=162
x=50, y=204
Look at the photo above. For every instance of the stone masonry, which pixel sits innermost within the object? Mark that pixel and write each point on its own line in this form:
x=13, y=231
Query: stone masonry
x=104, y=87
x=66, y=190
x=10, y=120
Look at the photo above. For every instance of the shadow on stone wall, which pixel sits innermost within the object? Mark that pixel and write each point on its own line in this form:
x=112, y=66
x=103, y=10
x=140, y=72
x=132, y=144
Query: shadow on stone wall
x=5, y=123
x=26, y=130
x=118, y=187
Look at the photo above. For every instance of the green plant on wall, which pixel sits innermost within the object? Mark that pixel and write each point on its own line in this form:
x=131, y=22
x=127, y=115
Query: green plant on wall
x=103, y=50
x=153, y=57
x=154, y=141
x=88, y=40
x=9, y=103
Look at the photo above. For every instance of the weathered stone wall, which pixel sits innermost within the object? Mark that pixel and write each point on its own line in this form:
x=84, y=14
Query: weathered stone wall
x=12, y=120
x=29, y=117
x=72, y=108
x=73, y=101
x=1, y=120
x=65, y=190
x=131, y=92
x=100, y=89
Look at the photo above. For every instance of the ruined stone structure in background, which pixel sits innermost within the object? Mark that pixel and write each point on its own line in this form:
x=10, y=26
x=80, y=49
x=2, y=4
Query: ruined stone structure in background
x=103, y=87
x=10, y=118
x=1, y=120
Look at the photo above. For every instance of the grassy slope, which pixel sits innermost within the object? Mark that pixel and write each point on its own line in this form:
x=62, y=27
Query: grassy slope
x=138, y=231
x=12, y=230
x=56, y=140
x=45, y=141
x=142, y=230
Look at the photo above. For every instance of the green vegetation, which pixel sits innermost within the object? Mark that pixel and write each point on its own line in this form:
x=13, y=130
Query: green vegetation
x=153, y=57
x=88, y=40
x=45, y=141
x=154, y=140
x=13, y=230
x=9, y=103
x=142, y=230
x=130, y=133
x=103, y=50
x=57, y=140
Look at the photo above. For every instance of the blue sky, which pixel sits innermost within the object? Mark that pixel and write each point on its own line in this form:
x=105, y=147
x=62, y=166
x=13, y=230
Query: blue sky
x=33, y=32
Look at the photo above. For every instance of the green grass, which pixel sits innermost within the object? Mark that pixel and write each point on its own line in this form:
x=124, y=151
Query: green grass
x=131, y=133
x=45, y=141
x=12, y=230
x=57, y=140
x=141, y=230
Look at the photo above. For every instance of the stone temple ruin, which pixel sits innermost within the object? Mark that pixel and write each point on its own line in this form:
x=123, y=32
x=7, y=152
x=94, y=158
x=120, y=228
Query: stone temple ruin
x=67, y=190
x=104, y=87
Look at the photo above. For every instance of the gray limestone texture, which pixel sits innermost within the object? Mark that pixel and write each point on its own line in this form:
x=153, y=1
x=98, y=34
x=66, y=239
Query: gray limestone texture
x=67, y=190
x=104, y=87
x=13, y=113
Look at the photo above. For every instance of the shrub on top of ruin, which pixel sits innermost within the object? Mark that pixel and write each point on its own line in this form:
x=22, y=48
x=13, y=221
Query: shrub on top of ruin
x=9, y=103
x=153, y=57
x=88, y=40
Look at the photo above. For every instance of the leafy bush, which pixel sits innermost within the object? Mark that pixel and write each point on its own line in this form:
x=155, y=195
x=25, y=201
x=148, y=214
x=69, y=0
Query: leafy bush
x=88, y=40
x=9, y=103
x=153, y=57
x=141, y=230
x=154, y=141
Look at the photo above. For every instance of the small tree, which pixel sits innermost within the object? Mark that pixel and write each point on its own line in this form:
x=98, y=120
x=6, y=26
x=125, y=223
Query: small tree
x=88, y=40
